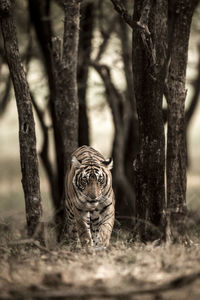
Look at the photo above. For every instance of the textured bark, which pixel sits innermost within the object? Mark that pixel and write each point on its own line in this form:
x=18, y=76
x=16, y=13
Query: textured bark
x=119, y=7
x=85, y=47
x=27, y=138
x=176, y=143
x=66, y=83
x=66, y=101
x=149, y=64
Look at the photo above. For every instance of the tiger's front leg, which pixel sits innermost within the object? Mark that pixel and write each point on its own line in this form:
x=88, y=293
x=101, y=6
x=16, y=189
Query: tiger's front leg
x=102, y=228
x=83, y=229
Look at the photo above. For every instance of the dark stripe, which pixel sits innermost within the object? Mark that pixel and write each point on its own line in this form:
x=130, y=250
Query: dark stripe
x=102, y=221
x=94, y=220
x=69, y=211
x=106, y=181
x=108, y=191
x=78, y=196
x=78, y=208
x=105, y=207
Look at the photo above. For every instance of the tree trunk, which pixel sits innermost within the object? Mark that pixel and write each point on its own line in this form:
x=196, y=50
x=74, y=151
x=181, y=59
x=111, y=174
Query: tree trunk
x=27, y=138
x=149, y=64
x=85, y=47
x=176, y=142
x=66, y=101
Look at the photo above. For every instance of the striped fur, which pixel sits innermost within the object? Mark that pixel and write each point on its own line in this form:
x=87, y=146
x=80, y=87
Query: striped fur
x=90, y=198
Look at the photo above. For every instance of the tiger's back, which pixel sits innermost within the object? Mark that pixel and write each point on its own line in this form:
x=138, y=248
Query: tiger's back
x=90, y=198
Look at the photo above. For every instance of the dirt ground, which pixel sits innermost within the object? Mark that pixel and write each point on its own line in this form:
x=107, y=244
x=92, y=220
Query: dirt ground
x=126, y=270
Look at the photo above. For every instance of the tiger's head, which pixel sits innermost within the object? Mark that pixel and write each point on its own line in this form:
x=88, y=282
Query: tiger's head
x=91, y=180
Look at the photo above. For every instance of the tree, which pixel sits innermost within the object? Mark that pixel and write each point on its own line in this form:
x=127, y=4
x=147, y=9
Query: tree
x=87, y=25
x=27, y=138
x=160, y=46
x=176, y=95
x=149, y=67
x=66, y=101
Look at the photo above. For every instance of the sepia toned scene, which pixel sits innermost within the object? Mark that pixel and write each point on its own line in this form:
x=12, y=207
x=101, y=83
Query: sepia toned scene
x=100, y=149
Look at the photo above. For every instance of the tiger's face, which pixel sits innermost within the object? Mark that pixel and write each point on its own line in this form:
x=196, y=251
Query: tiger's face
x=90, y=181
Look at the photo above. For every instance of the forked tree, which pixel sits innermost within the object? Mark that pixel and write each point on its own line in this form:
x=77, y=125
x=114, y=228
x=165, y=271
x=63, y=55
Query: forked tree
x=160, y=49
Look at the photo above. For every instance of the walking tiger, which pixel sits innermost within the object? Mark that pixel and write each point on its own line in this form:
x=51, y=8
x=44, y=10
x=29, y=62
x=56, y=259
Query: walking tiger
x=90, y=201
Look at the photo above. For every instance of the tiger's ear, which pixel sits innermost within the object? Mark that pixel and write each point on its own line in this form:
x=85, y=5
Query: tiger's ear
x=75, y=162
x=108, y=163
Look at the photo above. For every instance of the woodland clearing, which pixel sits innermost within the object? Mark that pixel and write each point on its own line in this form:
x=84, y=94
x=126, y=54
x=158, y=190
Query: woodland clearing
x=128, y=270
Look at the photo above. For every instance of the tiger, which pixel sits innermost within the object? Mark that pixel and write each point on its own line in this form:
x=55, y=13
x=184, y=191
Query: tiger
x=90, y=201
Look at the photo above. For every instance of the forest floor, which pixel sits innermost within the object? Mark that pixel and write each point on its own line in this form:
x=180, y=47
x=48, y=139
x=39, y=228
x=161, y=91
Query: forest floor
x=126, y=270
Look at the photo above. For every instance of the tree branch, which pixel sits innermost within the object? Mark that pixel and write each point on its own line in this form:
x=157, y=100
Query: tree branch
x=119, y=7
x=106, y=36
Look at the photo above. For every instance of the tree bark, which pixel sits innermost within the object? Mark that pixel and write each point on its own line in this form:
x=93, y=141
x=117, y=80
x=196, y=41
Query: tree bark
x=65, y=68
x=149, y=64
x=84, y=53
x=66, y=101
x=27, y=138
x=176, y=141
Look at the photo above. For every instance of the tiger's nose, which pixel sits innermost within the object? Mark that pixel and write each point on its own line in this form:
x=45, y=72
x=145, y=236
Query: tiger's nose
x=92, y=196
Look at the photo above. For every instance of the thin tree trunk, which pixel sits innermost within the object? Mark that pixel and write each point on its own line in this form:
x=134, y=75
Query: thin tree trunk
x=27, y=138
x=176, y=142
x=85, y=47
x=40, y=17
x=149, y=57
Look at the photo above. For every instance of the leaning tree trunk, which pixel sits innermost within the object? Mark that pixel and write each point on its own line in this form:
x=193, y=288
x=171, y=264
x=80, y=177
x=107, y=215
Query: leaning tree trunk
x=176, y=142
x=27, y=138
x=66, y=102
x=149, y=57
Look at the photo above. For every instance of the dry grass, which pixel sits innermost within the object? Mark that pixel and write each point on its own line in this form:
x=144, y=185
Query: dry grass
x=128, y=270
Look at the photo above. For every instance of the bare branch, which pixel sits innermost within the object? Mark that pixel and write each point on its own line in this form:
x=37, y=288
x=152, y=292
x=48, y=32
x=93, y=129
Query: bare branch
x=106, y=36
x=119, y=7
x=30, y=242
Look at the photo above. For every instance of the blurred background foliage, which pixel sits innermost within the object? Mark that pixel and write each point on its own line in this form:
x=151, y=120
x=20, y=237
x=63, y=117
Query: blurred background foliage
x=103, y=77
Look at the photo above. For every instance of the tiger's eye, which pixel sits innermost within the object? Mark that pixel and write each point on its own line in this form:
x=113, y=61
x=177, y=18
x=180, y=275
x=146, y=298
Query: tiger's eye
x=84, y=180
x=101, y=178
